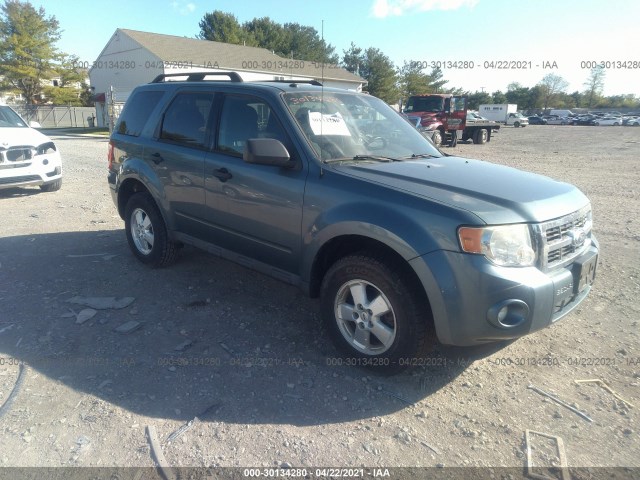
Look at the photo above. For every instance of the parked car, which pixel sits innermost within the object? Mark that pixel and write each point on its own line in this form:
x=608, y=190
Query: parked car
x=402, y=243
x=615, y=121
x=535, y=120
x=558, y=121
x=631, y=121
x=27, y=157
x=583, y=120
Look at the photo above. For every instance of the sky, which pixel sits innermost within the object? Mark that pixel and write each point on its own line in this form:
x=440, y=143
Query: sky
x=470, y=39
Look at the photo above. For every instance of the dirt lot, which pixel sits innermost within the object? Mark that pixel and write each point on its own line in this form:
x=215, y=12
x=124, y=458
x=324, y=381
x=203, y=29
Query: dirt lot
x=245, y=354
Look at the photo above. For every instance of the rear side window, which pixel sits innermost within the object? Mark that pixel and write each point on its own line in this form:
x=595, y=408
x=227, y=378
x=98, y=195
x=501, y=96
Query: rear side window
x=185, y=121
x=137, y=112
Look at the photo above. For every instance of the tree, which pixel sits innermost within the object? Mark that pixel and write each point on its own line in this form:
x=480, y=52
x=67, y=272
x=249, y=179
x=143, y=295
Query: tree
x=304, y=43
x=27, y=48
x=594, y=85
x=353, y=59
x=290, y=40
x=551, y=85
x=219, y=26
x=498, y=97
x=69, y=87
x=412, y=80
x=475, y=99
x=377, y=69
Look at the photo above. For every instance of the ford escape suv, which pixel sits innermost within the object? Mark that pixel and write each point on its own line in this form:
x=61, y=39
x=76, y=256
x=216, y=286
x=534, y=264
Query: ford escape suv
x=335, y=192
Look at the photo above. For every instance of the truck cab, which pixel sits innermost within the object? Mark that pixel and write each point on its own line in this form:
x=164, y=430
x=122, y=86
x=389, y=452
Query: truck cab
x=442, y=115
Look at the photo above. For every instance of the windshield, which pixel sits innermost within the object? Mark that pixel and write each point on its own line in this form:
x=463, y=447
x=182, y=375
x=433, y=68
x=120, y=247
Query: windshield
x=424, y=104
x=9, y=118
x=356, y=126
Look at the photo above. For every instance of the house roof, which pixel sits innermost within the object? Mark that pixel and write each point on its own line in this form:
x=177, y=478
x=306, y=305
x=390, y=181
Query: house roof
x=206, y=53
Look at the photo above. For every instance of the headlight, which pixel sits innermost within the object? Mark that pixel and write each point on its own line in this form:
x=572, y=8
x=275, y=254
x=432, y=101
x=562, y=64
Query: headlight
x=48, y=147
x=504, y=245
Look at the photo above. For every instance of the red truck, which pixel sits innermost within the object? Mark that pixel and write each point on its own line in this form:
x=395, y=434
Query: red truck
x=444, y=118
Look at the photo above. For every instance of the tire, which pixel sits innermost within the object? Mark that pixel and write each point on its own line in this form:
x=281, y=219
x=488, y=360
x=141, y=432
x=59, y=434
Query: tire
x=454, y=138
x=52, y=186
x=437, y=138
x=516, y=124
x=353, y=290
x=147, y=233
x=597, y=124
x=616, y=124
x=481, y=136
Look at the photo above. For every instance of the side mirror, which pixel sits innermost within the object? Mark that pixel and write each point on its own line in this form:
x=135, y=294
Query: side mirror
x=267, y=151
x=34, y=124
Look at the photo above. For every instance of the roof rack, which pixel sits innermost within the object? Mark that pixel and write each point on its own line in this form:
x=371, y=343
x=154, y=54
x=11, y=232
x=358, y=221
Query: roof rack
x=197, y=76
x=293, y=82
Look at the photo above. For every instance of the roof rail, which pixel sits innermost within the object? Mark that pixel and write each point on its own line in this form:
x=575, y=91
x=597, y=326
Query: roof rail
x=197, y=76
x=293, y=82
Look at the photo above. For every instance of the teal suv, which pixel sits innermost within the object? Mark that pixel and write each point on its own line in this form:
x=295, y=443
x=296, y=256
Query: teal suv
x=333, y=191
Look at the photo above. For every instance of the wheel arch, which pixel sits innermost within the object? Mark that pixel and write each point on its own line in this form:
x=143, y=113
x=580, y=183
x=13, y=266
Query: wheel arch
x=344, y=245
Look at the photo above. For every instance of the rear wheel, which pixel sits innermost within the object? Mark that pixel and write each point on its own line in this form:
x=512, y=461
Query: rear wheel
x=481, y=136
x=147, y=233
x=374, y=314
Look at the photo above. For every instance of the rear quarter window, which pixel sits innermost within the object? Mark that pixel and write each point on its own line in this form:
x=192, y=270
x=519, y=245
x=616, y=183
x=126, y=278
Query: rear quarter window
x=137, y=112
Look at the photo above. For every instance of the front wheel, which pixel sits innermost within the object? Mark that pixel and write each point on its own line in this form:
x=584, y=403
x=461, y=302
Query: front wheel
x=454, y=138
x=52, y=186
x=374, y=314
x=147, y=233
x=516, y=124
x=437, y=138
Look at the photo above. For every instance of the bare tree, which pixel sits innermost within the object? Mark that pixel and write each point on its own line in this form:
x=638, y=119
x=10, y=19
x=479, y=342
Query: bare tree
x=594, y=85
x=551, y=85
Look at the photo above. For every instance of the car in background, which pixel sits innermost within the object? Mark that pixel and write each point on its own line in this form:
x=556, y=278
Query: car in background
x=615, y=121
x=558, y=121
x=27, y=157
x=631, y=121
x=536, y=120
x=583, y=120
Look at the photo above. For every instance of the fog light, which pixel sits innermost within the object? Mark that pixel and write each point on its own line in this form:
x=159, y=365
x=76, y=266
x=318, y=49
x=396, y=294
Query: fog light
x=508, y=314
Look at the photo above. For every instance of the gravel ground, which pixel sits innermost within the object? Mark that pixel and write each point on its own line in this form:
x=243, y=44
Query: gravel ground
x=243, y=357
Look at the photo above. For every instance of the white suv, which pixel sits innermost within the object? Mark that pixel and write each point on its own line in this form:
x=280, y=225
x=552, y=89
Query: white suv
x=27, y=157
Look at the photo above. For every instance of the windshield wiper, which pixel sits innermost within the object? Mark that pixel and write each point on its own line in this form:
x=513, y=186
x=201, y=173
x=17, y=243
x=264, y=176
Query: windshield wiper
x=421, y=155
x=376, y=157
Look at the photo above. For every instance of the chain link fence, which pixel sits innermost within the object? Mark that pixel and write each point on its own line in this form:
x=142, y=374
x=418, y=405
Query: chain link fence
x=58, y=117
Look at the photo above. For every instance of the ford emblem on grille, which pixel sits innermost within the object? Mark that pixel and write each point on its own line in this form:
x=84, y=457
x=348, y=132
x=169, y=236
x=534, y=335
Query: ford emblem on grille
x=578, y=236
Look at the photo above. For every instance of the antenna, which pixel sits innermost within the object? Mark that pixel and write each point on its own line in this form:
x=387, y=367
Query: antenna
x=322, y=93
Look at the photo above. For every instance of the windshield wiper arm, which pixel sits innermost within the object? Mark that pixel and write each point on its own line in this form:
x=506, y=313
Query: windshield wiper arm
x=376, y=157
x=421, y=155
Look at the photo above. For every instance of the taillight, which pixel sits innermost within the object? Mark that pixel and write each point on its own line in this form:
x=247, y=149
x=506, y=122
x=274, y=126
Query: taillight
x=110, y=156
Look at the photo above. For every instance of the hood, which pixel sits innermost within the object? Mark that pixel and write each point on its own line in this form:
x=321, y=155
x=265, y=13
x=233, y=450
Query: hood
x=10, y=137
x=495, y=193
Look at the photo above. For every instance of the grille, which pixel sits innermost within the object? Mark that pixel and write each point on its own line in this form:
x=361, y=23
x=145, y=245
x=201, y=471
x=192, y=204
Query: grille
x=565, y=238
x=17, y=154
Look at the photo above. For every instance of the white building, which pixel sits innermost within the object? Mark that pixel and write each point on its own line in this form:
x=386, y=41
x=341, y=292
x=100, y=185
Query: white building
x=132, y=58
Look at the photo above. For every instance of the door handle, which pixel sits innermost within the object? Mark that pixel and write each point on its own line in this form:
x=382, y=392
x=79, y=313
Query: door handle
x=157, y=158
x=222, y=174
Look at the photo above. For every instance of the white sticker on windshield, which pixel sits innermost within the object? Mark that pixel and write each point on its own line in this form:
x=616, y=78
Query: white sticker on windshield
x=328, y=124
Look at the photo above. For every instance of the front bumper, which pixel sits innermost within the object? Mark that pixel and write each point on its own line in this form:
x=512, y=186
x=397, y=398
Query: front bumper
x=467, y=294
x=38, y=170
